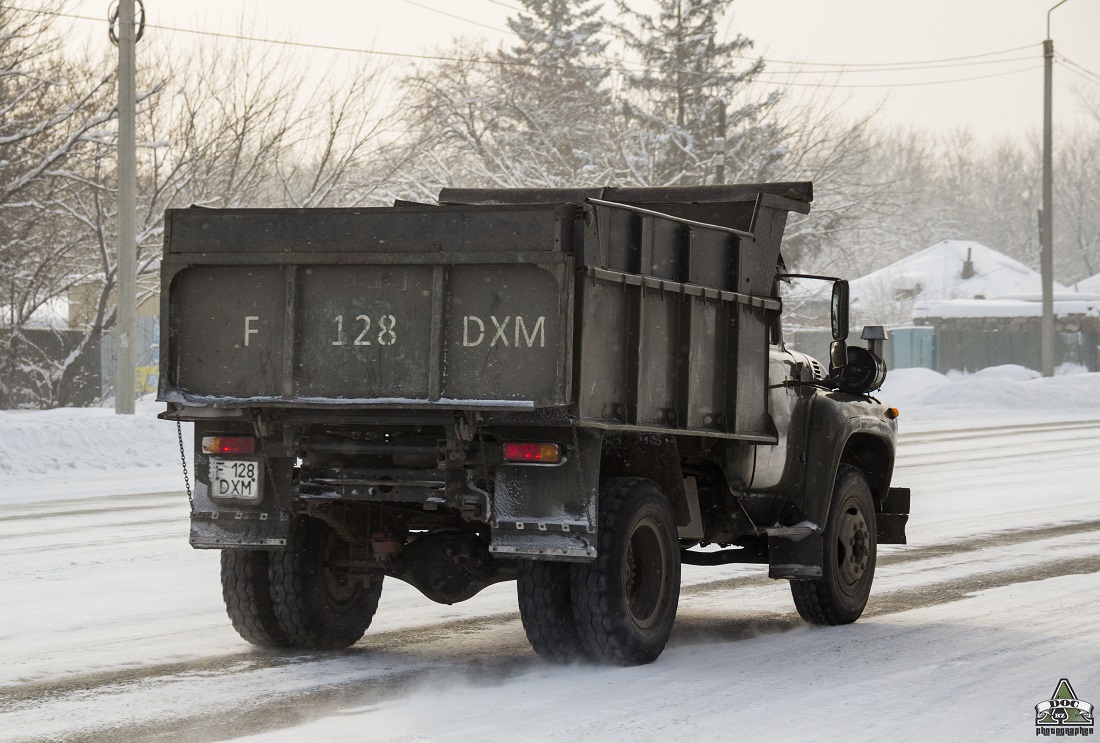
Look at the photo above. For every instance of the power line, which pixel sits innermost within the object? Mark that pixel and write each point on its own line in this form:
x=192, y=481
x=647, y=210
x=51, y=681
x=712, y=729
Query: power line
x=1082, y=71
x=898, y=69
x=898, y=85
x=1080, y=75
x=506, y=5
x=843, y=67
x=901, y=64
x=456, y=17
x=286, y=42
x=767, y=77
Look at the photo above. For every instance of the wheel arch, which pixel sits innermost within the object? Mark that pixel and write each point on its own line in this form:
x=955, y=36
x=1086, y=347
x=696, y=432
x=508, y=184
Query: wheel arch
x=873, y=455
x=836, y=436
x=648, y=457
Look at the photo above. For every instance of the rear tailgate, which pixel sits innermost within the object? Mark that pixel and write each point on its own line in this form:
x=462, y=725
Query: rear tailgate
x=408, y=307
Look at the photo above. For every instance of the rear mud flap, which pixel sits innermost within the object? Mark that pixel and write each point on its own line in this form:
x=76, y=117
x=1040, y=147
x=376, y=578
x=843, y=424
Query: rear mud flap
x=218, y=525
x=228, y=529
x=549, y=512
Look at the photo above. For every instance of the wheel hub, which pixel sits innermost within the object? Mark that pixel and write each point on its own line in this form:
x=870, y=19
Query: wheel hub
x=644, y=574
x=341, y=590
x=853, y=548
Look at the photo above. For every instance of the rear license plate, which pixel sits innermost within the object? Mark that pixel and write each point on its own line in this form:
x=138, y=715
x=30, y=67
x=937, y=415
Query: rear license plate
x=235, y=479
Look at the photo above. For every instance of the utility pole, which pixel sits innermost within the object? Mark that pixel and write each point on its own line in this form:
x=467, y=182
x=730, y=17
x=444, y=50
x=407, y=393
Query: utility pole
x=720, y=144
x=1046, y=219
x=125, y=386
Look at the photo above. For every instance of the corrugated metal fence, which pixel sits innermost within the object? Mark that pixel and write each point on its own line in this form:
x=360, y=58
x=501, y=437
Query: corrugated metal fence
x=962, y=350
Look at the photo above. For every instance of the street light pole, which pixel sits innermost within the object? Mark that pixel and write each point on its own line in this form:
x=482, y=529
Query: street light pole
x=1046, y=221
x=125, y=383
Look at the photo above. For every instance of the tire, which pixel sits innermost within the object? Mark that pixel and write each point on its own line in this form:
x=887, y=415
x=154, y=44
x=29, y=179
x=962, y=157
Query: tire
x=850, y=552
x=246, y=589
x=318, y=606
x=546, y=608
x=624, y=601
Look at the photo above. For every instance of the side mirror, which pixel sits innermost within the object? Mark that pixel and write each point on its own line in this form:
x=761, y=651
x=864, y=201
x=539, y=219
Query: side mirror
x=840, y=310
x=838, y=354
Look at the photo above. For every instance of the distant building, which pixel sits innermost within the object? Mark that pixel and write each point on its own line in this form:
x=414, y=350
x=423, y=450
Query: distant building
x=958, y=304
x=950, y=269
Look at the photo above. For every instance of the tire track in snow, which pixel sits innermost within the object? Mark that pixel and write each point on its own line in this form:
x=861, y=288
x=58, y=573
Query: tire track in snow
x=985, y=432
x=487, y=649
x=495, y=665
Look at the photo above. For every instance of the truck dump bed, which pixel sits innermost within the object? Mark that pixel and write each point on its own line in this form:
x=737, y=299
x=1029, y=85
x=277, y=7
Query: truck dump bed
x=620, y=308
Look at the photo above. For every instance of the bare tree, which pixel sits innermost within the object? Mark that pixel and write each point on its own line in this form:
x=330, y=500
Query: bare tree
x=1077, y=197
x=51, y=109
x=222, y=126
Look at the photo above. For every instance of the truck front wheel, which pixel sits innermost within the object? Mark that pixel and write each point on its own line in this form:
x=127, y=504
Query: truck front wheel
x=850, y=549
x=624, y=601
x=319, y=603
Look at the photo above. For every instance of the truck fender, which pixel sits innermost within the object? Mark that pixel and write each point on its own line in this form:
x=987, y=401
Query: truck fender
x=654, y=457
x=837, y=436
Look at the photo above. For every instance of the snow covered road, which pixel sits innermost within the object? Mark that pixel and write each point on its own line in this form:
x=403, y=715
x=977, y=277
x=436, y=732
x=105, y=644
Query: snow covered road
x=114, y=629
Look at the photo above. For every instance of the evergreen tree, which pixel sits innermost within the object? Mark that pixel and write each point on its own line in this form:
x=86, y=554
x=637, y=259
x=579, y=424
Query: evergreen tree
x=534, y=115
x=559, y=39
x=687, y=89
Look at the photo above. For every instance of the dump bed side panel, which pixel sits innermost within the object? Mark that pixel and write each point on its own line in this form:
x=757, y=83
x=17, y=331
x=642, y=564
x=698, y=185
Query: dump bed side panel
x=674, y=317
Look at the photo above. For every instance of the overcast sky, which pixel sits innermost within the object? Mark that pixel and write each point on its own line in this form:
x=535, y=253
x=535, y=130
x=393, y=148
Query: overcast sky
x=864, y=35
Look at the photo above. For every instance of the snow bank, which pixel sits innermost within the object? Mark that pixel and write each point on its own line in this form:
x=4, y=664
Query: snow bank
x=77, y=452
x=999, y=394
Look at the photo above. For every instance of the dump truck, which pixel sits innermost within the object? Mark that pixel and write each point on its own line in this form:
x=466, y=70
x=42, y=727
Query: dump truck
x=576, y=389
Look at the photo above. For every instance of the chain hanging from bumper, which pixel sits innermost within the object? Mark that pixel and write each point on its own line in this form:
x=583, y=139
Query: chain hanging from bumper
x=183, y=463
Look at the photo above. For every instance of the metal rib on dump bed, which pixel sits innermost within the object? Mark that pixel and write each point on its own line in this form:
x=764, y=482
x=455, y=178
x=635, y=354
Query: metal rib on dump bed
x=675, y=318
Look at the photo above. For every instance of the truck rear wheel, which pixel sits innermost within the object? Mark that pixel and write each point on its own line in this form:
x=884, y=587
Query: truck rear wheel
x=624, y=601
x=246, y=589
x=546, y=608
x=319, y=604
x=850, y=550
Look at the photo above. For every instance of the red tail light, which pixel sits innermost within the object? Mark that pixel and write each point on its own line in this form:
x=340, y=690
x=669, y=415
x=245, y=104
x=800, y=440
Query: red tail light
x=229, y=444
x=533, y=453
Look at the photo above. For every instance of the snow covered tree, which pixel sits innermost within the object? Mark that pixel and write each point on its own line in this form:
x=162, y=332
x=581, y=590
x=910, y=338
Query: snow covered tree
x=235, y=127
x=686, y=102
x=51, y=110
x=533, y=115
x=1077, y=200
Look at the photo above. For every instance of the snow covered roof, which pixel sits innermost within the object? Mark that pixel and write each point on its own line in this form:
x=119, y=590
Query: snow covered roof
x=937, y=272
x=54, y=313
x=1002, y=308
x=1090, y=285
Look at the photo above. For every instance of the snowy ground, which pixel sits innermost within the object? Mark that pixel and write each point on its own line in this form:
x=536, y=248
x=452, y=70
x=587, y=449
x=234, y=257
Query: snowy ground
x=113, y=628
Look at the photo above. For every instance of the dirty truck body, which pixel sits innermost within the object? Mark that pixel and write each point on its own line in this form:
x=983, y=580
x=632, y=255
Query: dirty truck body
x=567, y=388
